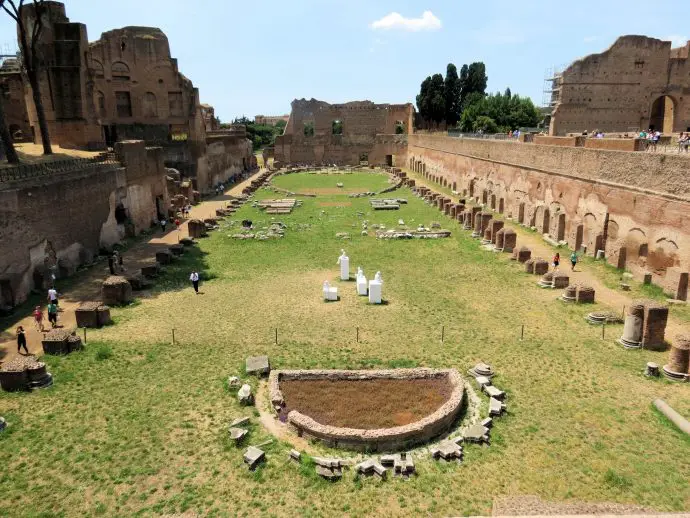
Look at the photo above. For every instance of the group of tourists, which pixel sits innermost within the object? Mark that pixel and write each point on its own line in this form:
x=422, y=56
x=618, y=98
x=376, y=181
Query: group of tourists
x=651, y=137
x=557, y=260
x=683, y=141
x=52, y=310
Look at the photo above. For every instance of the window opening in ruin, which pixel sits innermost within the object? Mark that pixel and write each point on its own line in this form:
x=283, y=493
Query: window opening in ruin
x=399, y=127
x=100, y=103
x=364, y=159
x=97, y=68
x=123, y=102
x=175, y=104
x=308, y=129
x=123, y=45
x=150, y=106
x=120, y=71
x=337, y=127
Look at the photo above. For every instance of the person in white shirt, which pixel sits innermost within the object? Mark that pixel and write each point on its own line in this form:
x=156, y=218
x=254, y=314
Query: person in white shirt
x=53, y=296
x=194, y=277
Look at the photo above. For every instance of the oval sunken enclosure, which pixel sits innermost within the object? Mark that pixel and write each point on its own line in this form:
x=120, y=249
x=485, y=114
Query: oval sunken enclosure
x=442, y=390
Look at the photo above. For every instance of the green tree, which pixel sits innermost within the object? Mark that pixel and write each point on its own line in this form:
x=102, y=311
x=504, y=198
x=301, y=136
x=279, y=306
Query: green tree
x=485, y=124
x=476, y=79
x=423, y=98
x=437, y=99
x=452, y=90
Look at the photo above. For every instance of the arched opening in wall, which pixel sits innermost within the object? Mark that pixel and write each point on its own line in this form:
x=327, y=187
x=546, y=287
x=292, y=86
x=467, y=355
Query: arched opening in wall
x=579, y=235
x=16, y=132
x=309, y=129
x=493, y=202
x=455, y=186
x=485, y=197
x=97, y=68
x=445, y=182
x=662, y=115
x=389, y=160
x=120, y=71
x=501, y=206
x=337, y=127
x=472, y=188
x=364, y=159
x=424, y=168
x=560, y=227
x=521, y=213
x=591, y=231
x=100, y=104
x=399, y=127
x=635, y=244
x=120, y=214
x=663, y=255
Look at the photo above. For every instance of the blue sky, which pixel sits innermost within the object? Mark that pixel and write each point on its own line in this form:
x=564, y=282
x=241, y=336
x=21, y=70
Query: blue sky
x=254, y=57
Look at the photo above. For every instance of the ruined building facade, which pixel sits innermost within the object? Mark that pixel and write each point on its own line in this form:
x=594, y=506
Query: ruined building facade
x=637, y=83
x=318, y=132
x=121, y=87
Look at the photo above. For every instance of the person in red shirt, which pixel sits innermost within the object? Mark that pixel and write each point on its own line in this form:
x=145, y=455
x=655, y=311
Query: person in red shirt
x=38, y=319
x=556, y=260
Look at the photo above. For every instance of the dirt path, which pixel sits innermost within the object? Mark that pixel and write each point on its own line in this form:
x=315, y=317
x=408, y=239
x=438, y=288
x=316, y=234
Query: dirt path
x=89, y=289
x=615, y=300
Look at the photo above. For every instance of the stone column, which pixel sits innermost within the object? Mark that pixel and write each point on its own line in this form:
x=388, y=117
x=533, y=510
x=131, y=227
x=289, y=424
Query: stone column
x=632, y=329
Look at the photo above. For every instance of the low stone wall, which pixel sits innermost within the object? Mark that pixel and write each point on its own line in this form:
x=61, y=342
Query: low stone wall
x=383, y=439
x=616, y=144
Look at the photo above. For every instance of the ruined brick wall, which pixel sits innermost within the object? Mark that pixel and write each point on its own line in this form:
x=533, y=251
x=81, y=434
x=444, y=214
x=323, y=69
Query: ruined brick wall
x=361, y=121
x=12, y=91
x=228, y=157
x=64, y=213
x=137, y=82
x=616, y=90
x=635, y=206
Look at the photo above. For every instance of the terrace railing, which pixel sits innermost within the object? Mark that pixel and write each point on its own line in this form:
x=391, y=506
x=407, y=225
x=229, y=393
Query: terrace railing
x=54, y=167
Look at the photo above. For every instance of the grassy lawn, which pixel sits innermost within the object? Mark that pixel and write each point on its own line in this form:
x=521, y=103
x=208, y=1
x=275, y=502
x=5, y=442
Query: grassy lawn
x=325, y=184
x=135, y=425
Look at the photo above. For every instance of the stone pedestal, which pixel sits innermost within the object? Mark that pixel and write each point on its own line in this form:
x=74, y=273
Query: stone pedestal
x=632, y=329
x=678, y=366
x=362, y=285
x=56, y=342
x=560, y=280
x=196, y=228
x=529, y=265
x=585, y=294
x=375, y=289
x=541, y=266
x=496, y=227
x=654, y=326
x=87, y=314
x=164, y=257
x=116, y=290
x=570, y=294
x=523, y=254
x=344, y=268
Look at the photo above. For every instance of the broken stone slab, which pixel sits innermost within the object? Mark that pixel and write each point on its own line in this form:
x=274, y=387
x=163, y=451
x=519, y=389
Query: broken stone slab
x=329, y=473
x=652, y=369
x=494, y=392
x=477, y=433
x=496, y=408
x=389, y=460
x=258, y=365
x=380, y=470
x=483, y=382
x=488, y=422
x=234, y=382
x=327, y=462
x=365, y=467
x=447, y=450
x=237, y=434
x=253, y=456
x=296, y=456
x=240, y=421
x=245, y=396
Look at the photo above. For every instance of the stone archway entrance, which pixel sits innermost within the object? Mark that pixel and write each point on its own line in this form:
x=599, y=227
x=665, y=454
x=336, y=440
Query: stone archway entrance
x=662, y=116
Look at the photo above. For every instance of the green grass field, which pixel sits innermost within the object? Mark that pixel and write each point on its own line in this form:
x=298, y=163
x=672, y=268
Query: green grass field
x=135, y=425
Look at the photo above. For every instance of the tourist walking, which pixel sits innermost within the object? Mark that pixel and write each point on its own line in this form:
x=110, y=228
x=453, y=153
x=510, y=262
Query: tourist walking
x=21, y=340
x=194, y=277
x=38, y=319
x=573, y=260
x=52, y=314
x=556, y=260
x=111, y=264
x=163, y=223
x=53, y=296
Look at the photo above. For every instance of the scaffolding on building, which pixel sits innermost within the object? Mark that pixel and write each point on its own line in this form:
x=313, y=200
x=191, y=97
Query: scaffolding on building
x=552, y=86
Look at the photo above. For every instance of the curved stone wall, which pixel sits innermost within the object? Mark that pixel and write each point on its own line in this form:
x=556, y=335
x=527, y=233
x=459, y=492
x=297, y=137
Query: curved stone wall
x=383, y=439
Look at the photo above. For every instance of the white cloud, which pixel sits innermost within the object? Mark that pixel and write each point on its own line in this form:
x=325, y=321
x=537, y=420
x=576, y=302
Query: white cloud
x=427, y=22
x=676, y=40
x=589, y=39
x=499, y=32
